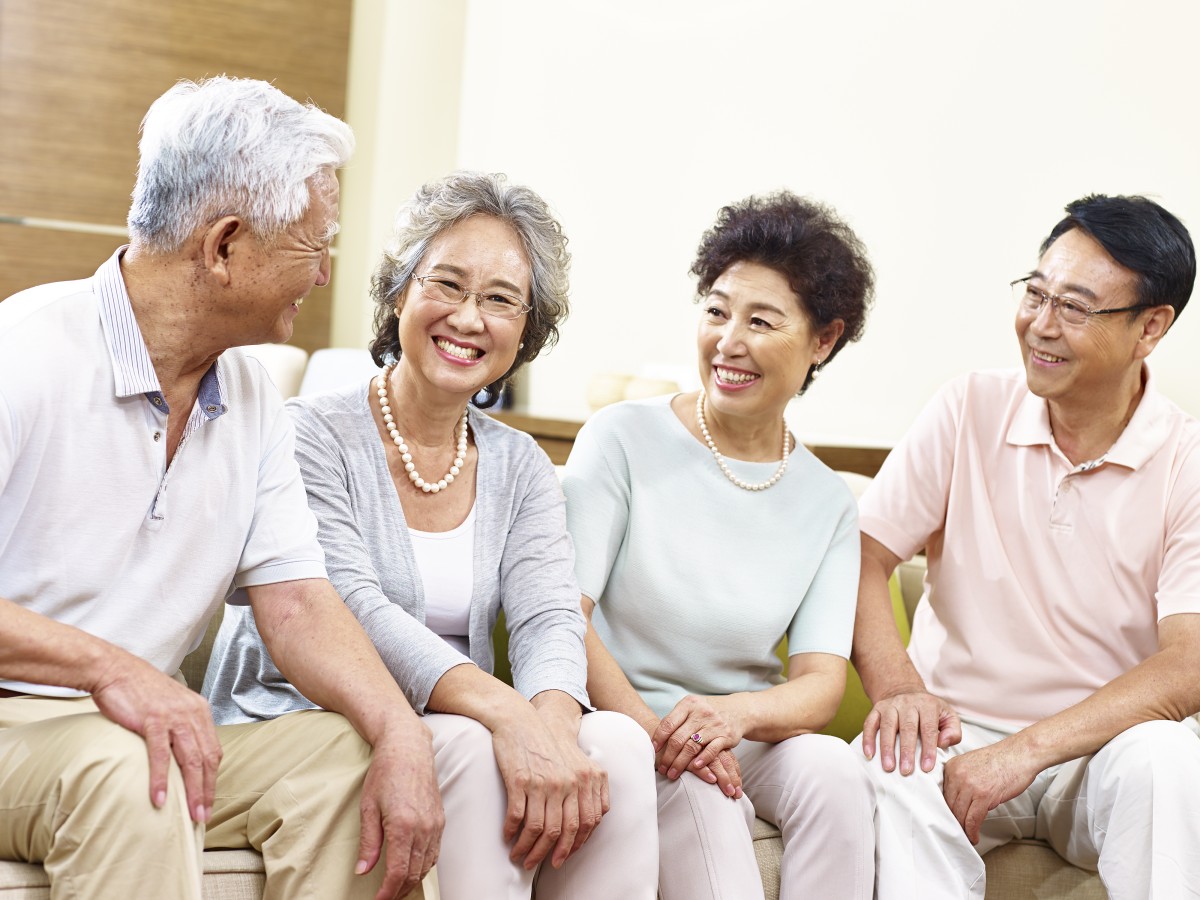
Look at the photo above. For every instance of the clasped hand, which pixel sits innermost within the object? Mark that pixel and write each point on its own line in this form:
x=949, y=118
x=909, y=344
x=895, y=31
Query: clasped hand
x=711, y=758
x=556, y=793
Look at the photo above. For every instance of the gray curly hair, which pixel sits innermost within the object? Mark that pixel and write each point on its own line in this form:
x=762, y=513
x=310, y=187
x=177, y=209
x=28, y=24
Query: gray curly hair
x=439, y=206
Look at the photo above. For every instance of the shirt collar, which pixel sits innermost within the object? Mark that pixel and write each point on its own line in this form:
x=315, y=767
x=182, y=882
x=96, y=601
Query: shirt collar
x=133, y=371
x=1143, y=435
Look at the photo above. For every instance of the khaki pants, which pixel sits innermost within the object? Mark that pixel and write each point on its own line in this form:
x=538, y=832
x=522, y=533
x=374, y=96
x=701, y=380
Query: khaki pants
x=811, y=787
x=75, y=796
x=1130, y=811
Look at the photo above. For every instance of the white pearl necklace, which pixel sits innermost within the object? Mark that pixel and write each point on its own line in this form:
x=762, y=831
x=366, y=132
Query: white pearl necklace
x=409, y=466
x=744, y=485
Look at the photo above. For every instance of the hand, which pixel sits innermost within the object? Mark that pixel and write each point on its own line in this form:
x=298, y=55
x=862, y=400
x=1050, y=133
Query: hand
x=720, y=729
x=912, y=714
x=173, y=720
x=725, y=772
x=977, y=782
x=556, y=794
x=401, y=807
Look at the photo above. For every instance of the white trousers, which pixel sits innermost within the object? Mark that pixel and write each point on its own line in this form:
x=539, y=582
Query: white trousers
x=811, y=787
x=1131, y=811
x=620, y=859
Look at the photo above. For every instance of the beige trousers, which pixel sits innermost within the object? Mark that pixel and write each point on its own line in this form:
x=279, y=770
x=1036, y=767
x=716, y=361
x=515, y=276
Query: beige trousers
x=75, y=796
x=811, y=787
x=1130, y=811
x=620, y=859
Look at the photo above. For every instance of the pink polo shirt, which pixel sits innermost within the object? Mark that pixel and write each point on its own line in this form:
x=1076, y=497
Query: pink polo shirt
x=1045, y=581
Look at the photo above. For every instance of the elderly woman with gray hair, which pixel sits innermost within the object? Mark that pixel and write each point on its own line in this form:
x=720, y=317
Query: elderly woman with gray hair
x=433, y=517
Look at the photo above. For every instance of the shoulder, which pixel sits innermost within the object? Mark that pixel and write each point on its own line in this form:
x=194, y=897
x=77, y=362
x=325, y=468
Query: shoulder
x=43, y=320
x=630, y=421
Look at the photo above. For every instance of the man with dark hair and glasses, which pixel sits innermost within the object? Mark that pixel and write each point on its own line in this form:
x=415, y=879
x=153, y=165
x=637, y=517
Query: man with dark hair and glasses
x=1050, y=682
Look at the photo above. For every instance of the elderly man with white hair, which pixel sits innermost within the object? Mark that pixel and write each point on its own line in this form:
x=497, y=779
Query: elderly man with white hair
x=146, y=471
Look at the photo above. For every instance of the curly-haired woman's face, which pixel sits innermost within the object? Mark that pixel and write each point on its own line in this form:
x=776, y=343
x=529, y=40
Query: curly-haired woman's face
x=456, y=347
x=756, y=343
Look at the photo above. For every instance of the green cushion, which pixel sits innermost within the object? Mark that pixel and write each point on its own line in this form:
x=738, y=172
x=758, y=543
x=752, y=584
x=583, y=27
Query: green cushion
x=847, y=722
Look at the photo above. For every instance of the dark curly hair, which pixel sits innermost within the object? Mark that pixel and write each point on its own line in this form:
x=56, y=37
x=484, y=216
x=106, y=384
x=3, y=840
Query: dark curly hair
x=822, y=259
x=439, y=206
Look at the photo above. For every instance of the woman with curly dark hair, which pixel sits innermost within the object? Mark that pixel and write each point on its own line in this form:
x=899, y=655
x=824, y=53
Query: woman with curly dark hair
x=703, y=535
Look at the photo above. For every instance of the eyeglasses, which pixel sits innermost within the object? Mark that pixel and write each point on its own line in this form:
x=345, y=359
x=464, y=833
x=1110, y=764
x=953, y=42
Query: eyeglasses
x=491, y=303
x=1031, y=299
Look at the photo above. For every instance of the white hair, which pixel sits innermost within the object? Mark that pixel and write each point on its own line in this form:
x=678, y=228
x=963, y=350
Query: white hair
x=229, y=146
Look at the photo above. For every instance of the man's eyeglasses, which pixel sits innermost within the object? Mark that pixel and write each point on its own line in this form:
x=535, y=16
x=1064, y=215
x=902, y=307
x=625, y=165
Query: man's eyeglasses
x=1031, y=298
x=491, y=303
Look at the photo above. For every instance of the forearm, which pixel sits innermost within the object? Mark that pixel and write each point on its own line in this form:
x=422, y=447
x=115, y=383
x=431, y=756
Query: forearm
x=803, y=705
x=608, y=686
x=467, y=690
x=321, y=649
x=878, y=654
x=39, y=650
x=1163, y=686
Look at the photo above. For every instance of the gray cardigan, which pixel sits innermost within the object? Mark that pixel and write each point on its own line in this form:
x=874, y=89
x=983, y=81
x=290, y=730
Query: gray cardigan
x=522, y=560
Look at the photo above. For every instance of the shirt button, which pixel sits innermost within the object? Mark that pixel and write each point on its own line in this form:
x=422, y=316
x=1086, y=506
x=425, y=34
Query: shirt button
x=211, y=408
x=158, y=401
x=1066, y=488
x=158, y=435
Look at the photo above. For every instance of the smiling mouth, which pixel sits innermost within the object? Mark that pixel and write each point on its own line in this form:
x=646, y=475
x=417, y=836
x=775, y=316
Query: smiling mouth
x=732, y=376
x=1046, y=357
x=454, y=350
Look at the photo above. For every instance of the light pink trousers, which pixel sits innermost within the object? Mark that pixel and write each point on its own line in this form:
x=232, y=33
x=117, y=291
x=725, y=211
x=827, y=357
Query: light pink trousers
x=1130, y=811
x=811, y=787
x=620, y=859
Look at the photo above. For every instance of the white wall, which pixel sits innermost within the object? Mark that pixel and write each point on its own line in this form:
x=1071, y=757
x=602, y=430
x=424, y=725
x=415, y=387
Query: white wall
x=950, y=135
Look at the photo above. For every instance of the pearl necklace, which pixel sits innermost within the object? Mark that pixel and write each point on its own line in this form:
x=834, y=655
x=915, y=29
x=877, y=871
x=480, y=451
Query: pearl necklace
x=413, y=475
x=744, y=485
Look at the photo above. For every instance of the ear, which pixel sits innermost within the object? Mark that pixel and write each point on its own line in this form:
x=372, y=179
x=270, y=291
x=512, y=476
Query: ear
x=826, y=338
x=217, y=246
x=1154, y=326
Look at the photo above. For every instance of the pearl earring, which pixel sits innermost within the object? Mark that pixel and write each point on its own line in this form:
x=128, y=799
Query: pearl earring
x=521, y=346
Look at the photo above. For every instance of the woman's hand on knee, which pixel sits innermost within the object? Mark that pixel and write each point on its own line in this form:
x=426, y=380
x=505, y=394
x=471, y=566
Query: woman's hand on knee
x=693, y=734
x=725, y=773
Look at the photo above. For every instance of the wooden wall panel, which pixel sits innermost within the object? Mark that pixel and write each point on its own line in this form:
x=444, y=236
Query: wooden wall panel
x=35, y=256
x=76, y=76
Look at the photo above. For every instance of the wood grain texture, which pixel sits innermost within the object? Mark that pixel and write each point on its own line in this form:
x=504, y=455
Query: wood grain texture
x=76, y=77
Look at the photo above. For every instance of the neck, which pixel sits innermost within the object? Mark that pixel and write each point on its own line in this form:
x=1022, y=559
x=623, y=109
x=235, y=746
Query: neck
x=1085, y=431
x=748, y=438
x=430, y=418
x=169, y=316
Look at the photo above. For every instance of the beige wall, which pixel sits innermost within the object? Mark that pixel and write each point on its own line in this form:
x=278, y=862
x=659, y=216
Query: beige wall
x=949, y=135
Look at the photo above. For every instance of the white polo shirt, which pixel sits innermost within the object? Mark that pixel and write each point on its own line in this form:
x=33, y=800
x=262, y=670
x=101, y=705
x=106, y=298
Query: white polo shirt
x=1046, y=580
x=95, y=530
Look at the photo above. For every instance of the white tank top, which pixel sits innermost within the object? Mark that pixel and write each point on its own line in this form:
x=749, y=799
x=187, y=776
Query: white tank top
x=446, y=561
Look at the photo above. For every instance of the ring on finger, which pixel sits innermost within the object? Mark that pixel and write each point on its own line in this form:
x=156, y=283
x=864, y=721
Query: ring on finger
x=696, y=737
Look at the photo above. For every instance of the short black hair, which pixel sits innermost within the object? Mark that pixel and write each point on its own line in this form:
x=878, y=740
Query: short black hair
x=1141, y=236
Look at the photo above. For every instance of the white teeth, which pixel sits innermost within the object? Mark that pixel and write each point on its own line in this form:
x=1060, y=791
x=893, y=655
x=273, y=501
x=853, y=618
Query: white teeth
x=1048, y=357
x=455, y=350
x=299, y=302
x=731, y=377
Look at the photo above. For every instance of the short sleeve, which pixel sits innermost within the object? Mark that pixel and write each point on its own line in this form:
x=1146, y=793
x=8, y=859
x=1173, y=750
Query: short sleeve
x=282, y=542
x=596, y=484
x=905, y=505
x=824, y=622
x=1179, y=580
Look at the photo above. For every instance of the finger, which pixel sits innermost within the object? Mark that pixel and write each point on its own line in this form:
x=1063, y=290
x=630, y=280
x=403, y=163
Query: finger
x=667, y=726
x=548, y=831
x=949, y=729
x=709, y=752
x=870, y=729
x=515, y=814
x=686, y=747
x=158, y=749
x=973, y=820
x=888, y=726
x=370, y=835
x=930, y=740
x=908, y=724
x=531, y=830
x=605, y=798
x=722, y=777
x=191, y=767
x=572, y=827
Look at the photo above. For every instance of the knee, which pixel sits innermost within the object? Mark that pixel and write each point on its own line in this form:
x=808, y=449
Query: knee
x=615, y=740
x=1159, y=751
x=460, y=741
